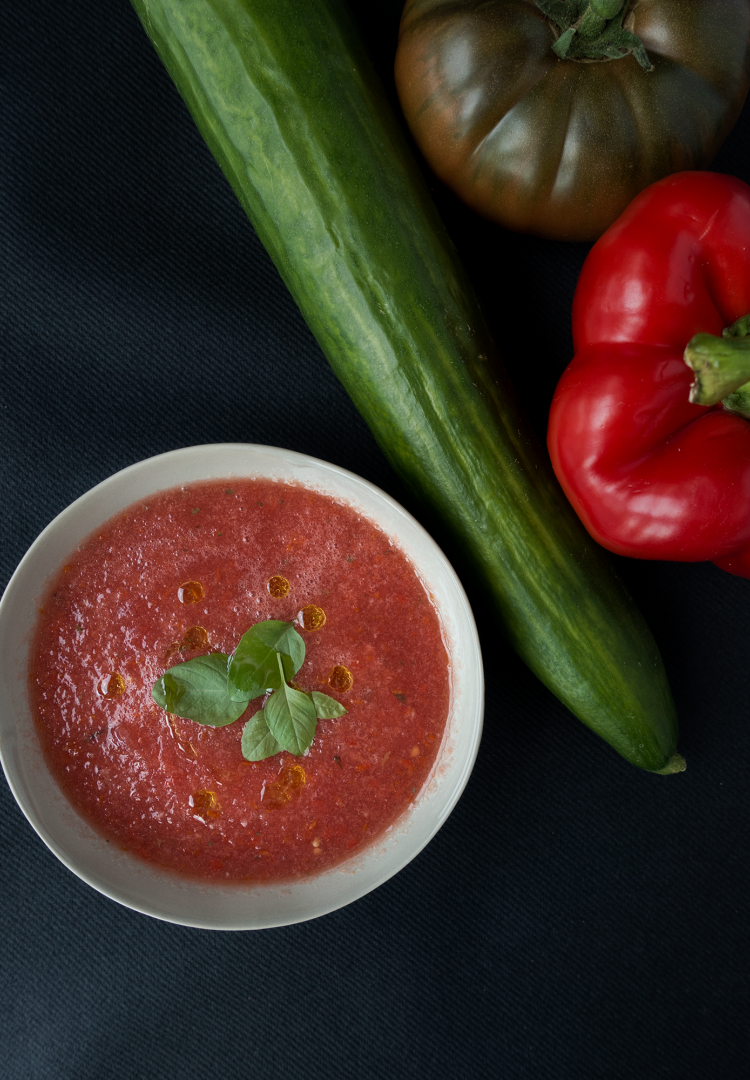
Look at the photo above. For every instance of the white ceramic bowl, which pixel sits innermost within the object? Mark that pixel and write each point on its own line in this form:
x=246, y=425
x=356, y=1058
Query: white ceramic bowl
x=160, y=893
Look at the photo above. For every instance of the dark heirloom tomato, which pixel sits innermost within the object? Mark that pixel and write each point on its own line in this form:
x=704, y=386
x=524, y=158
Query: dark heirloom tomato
x=559, y=147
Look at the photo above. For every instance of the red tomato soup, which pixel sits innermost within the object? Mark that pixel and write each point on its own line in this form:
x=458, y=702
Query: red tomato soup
x=187, y=572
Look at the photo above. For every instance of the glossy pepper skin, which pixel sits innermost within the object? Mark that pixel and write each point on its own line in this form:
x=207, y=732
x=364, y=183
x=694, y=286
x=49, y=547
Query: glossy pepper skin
x=651, y=475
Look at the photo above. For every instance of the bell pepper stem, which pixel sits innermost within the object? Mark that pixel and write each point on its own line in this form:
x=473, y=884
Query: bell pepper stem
x=738, y=329
x=721, y=366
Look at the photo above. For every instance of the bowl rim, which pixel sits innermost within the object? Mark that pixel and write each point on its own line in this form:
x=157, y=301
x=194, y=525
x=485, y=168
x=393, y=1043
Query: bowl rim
x=194, y=902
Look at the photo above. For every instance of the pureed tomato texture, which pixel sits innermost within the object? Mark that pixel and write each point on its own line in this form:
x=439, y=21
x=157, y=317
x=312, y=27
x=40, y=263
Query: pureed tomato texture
x=186, y=573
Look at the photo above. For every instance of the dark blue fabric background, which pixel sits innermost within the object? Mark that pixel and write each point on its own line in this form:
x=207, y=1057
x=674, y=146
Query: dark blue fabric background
x=575, y=917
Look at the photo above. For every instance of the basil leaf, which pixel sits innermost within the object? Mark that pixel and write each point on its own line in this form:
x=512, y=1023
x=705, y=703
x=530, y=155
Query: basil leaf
x=197, y=690
x=167, y=692
x=257, y=741
x=291, y=718
x=253, y=669
x=326, y=708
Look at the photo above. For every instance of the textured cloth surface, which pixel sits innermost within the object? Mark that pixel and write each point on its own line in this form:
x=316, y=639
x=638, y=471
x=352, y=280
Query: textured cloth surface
x=574, y=917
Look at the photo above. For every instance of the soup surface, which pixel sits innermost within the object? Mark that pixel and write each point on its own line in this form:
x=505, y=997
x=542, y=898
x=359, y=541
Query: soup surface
x=187, y=572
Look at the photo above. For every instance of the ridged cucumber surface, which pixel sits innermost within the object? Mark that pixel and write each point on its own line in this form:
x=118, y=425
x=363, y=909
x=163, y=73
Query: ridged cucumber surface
x=286, y=98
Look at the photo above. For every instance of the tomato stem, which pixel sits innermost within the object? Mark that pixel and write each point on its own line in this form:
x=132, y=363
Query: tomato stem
x=593, y=30
x=722, y=367
x=594, y=19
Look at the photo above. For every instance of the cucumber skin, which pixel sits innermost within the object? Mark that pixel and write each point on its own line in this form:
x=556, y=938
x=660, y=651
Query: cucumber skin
x=286, y=99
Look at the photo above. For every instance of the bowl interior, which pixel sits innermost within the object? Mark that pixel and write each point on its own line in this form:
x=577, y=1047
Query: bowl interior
x=160, y=893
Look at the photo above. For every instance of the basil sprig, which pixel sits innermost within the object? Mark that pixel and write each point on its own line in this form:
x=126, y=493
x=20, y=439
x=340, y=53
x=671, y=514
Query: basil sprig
x=215, y=690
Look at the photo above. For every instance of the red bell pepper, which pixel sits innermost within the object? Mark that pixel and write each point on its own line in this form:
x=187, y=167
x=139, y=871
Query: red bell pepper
x=654, y=456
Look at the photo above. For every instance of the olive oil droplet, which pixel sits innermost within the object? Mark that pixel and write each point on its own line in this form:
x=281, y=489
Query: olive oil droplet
x=312, y=617
x=190, y=592
x=112, y=685
x=278, y=586
x=205, y=804
x=288, y=783
x=340, y=678
x=196, y=637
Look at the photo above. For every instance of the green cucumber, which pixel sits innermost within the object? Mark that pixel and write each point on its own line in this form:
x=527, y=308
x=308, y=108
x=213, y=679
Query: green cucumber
x=286, y=98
